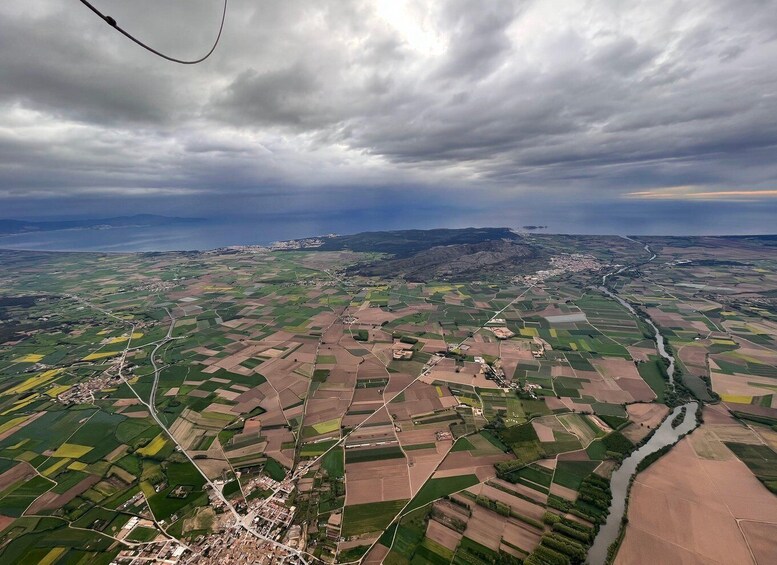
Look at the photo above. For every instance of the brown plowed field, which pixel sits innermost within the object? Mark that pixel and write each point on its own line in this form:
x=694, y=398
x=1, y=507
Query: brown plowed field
x=376, y=481
x=443, y=535
x=684, y=509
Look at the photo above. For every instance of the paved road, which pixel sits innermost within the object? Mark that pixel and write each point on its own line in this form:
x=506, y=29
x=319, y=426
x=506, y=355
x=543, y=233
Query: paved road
x=152, y=411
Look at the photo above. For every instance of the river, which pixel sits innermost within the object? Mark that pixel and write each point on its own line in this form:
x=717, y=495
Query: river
x=664, y=435
x=619, y=484
x=660, y=342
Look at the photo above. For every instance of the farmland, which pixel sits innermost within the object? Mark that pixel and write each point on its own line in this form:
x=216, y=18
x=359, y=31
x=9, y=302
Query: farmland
x=425, y=417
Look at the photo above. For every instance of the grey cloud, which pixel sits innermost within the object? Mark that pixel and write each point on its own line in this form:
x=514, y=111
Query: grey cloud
x=504, y=97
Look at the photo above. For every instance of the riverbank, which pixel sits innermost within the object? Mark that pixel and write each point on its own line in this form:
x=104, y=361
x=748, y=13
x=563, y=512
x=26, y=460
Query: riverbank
x=664, y=436
x=699, y=503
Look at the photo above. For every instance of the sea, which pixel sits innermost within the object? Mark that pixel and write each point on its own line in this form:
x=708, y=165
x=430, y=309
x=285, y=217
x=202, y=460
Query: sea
x=225, y=232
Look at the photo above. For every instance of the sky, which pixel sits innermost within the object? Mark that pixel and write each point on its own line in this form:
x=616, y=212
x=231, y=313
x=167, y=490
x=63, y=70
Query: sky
x=413, y=113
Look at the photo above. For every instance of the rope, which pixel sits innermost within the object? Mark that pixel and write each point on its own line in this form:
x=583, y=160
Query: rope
x=111, y=22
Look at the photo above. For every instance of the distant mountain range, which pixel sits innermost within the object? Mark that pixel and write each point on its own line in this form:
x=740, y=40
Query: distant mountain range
x=9, y=227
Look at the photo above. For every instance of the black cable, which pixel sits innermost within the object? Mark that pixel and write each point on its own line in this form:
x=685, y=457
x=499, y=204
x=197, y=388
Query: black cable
x=111, y=22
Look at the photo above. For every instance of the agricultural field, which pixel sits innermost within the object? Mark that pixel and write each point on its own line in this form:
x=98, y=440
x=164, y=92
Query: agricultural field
x=421, y=417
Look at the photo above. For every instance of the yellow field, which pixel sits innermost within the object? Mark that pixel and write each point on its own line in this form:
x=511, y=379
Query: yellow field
x=53, y=392
x=11, y=423
x=19, y=404
x=30, y=358
x=217, y=288
x=101, y=355
x=72, y=450
x=52, y=556
x=147, y=488
x=328, y=426
x=154, y=446
x=20, y=444
x=77, y=466
x=529, y=332
x=439, y=391
x=33, y=382
x=468, y=401
x=123, y=338
x=51, y=469
x=553, y=332
x=738, y=398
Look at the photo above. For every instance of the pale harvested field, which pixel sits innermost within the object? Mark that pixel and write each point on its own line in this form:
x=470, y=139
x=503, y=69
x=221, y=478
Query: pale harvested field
x=695, y=354
x=562, y=371
x=644, y=417
x=640, y=353
x=16, y=473
x=372, y=434
x=544, y=433
x=376, y=316
x=462, y=463
x=376, y=481
x=547, y=463
x=124, y=402
x=523, y=490
x=397, y=382
x=740, y=385
x=735, y=432
x=415, y=436
x=219, y=408
x=481, y=348
x=624, y=374
x=367, y=395
x=520, y=505
x=372, y=369
x=376, y=555
x=522, y=535
x=213, y=468
x=563, y=492
x=768, y=435
x=762, y=539
x=421, y=468
x=443, y=535
x=683, y=509
x=554, y=403
x=470, y=374
x=706, y=445
x=485, y=527
x=5, y=521
x=272, y=418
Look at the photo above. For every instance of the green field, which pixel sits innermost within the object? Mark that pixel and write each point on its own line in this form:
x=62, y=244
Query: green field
x=334, y=464
x=437, y=488
x=374, y=454
x=372, y=517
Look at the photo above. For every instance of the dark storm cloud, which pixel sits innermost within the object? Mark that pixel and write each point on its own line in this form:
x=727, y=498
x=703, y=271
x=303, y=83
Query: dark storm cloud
x=593, y=102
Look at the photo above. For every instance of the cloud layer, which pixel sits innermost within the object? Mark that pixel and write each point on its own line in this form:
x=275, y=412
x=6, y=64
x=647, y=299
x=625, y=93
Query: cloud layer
x=319, y=105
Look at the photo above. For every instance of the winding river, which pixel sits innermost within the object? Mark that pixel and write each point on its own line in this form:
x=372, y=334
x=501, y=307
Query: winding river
x=660, y=343
x=664, y=435
x=619, y=484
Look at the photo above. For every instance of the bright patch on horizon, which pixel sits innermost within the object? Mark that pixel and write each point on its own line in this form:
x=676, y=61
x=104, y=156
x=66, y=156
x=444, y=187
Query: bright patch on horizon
x=693, y=193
